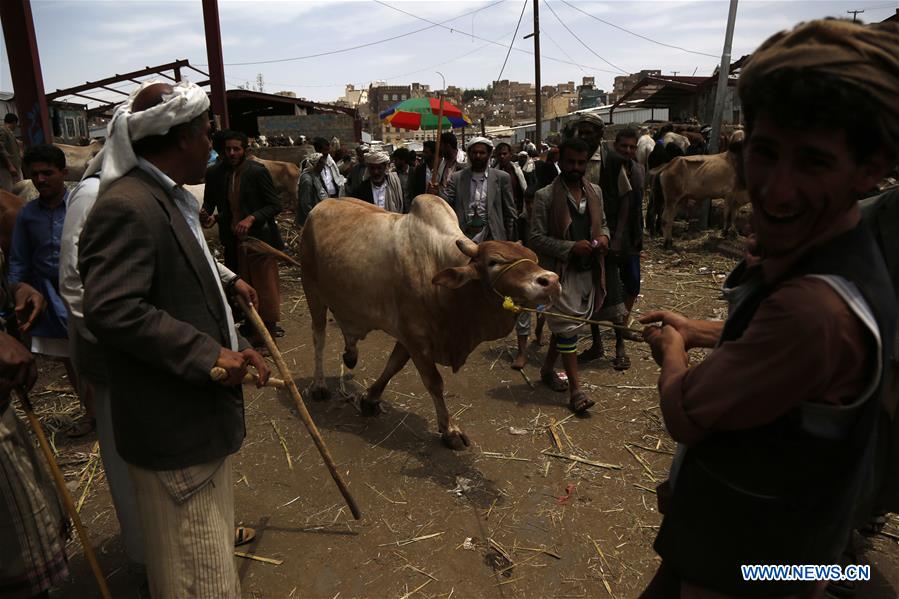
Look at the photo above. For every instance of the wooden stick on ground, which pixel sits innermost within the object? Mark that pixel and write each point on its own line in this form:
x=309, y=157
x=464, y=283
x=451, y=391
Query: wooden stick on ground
x=261, y=329
x=63, y=491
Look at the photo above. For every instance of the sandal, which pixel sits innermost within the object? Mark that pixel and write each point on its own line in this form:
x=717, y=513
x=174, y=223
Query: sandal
x=243, y=535
x=591, y=355
x=552, y=380
x=621, y=363
x=580, y=403
x=277, y=332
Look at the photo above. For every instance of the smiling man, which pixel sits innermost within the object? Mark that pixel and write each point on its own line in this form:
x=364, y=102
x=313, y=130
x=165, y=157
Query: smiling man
x=778, y=424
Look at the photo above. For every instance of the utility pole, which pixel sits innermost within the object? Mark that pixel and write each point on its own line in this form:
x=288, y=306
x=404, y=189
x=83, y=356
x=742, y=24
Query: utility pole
x=854, y=14
x=723, y=74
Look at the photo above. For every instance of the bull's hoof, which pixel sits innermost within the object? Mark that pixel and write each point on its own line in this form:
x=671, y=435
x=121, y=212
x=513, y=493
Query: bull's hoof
x=350, y=358
x=455, y=439
x=370, y=407
x=320, y=394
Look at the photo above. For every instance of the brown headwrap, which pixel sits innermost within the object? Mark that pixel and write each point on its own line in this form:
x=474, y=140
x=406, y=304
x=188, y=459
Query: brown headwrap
x=866, y=56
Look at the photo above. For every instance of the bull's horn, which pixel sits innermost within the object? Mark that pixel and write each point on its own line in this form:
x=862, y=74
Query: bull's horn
x=467, y=247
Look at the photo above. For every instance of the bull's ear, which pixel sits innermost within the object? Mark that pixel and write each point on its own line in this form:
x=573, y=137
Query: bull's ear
x=467, y=247
x=456, y=277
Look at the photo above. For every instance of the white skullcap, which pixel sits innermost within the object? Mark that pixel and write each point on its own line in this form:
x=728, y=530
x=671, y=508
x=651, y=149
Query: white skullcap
x=312, y=159
x=377, y=158
x=186, y=102
x=480, y=140
x=522, y=153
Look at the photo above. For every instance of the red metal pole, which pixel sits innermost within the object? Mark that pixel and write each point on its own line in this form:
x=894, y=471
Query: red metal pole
x=216, y=64
x=25, y=68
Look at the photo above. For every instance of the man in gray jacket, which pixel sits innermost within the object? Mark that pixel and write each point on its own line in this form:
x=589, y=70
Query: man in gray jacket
x=482, y=197
x=570, y=236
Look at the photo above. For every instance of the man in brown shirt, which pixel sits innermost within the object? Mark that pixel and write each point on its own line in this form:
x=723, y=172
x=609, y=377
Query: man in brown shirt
x=777, y=425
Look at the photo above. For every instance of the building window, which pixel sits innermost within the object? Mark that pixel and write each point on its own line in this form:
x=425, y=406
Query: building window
x=386, y=97
x=70, y=127
x=395, y=97
x=403, y=96
x=82, y=128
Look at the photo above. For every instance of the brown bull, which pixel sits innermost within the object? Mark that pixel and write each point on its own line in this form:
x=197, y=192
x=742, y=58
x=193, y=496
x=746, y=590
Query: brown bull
x=77, y=157
x=10, y=206
x=285, y=176
x=420, y=280
x=700, y=178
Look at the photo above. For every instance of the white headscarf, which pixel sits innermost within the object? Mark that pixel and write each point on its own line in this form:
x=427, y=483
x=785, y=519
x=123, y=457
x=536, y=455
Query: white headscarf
x=377, y=158
x=481, y=140
x=186, y=102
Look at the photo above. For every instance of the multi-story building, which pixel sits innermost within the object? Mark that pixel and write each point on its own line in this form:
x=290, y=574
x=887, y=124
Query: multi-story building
x=623, y=83
x=380, y=98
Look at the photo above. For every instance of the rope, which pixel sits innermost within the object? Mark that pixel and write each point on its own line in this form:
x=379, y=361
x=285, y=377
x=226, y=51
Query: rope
x=510, y=305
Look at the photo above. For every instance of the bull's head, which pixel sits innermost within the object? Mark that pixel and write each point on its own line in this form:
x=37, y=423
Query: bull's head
x=508, y=268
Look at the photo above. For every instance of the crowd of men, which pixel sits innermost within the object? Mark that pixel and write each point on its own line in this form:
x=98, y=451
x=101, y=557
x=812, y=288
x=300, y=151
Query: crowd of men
x=784, y=430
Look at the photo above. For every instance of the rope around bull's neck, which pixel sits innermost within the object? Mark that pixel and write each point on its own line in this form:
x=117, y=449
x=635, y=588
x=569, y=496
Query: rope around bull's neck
x=509, y=303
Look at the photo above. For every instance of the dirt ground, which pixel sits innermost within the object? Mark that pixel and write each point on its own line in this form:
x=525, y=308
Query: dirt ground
x=502, y=519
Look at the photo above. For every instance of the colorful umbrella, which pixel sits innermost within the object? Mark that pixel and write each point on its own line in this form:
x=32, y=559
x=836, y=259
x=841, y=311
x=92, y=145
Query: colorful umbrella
x=422, y=113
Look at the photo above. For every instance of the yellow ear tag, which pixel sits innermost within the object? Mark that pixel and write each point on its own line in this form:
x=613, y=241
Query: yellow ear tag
x=508, y=304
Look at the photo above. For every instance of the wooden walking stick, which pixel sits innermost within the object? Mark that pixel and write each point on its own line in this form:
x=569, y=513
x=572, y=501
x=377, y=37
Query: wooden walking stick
x=63, y=490
x=260, y=327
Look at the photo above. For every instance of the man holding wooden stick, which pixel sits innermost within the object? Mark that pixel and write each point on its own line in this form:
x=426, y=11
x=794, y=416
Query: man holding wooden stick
x=154, y=300
x=777, y=427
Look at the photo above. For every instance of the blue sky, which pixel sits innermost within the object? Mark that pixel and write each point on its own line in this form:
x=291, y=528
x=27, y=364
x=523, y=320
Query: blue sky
x=82, y=40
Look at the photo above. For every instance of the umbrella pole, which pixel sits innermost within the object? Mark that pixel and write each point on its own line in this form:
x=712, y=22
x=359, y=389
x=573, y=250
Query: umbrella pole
x=434, y=174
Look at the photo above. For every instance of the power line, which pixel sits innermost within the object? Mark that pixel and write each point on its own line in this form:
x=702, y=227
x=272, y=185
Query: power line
x=561, y=49
x=574, y=35
x=495, y=43
x=643, y=37
x=511, y=43
x=360, y=46
x=423, y=69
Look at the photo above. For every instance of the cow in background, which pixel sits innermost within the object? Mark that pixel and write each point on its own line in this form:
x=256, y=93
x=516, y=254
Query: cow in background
x=703, y=177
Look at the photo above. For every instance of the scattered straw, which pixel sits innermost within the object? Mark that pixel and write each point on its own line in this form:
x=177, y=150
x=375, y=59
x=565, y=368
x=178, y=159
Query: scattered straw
x=410, y=541
x=643, y=463
x=415, y=590
x=258, y=558
x=499, y=456
x=283, y=442
x=581, y=460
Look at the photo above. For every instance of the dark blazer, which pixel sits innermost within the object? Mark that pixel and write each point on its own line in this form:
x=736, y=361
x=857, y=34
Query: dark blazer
x=501, y=213
x=363, y=192
x=154, y=305
x=418, y=181
x=257, y=198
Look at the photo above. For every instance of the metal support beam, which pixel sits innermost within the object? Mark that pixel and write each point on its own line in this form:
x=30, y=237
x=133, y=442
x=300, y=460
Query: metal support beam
x=117, y=78
x=25, y=68
x=214, y=58
x=112, y=89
